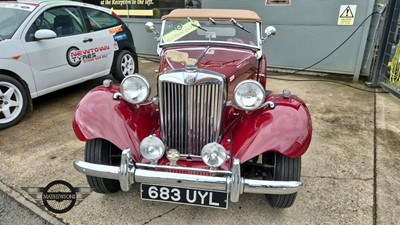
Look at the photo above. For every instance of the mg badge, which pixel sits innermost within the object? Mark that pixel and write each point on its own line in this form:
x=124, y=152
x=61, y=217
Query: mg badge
x=189, y=78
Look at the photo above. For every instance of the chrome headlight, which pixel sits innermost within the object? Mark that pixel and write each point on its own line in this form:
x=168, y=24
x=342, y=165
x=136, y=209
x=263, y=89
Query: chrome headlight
x=249, y=95
x=135, y=89
x=152, y=148
x=213, y=154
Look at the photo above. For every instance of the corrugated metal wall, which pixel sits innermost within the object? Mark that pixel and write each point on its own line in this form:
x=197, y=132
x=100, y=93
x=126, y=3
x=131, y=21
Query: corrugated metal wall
x=307, y=30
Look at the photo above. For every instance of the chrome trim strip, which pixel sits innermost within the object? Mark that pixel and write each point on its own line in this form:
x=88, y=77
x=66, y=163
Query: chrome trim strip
x=96, y=170
x=180, y=180
x=205, y=42
x=129, y=173
x=191, y=106
x=274, y=188
x=203, y=77
x=150, y=166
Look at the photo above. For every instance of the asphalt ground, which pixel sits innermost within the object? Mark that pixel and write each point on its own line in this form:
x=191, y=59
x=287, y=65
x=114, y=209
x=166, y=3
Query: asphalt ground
x=12, y=212
x=350, y=171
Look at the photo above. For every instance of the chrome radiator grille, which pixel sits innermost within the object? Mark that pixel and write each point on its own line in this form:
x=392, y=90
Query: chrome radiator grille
x=191, y=114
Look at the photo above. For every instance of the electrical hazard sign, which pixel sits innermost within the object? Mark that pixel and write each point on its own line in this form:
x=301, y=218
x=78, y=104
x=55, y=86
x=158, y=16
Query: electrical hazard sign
x=347, y=14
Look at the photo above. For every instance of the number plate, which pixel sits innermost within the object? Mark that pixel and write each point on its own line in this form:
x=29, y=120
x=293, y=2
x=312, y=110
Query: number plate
x=187, y=196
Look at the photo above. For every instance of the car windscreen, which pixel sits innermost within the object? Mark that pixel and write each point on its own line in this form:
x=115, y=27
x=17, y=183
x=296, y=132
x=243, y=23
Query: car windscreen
x=11, y=17
x=219, y=31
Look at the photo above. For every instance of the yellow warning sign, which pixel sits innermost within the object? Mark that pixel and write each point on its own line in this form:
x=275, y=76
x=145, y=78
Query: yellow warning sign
x=347, y=14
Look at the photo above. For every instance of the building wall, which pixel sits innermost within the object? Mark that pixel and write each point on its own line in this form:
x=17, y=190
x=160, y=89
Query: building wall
x=307, y=31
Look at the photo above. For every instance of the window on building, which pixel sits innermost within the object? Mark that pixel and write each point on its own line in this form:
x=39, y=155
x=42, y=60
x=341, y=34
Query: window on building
x=147, y=8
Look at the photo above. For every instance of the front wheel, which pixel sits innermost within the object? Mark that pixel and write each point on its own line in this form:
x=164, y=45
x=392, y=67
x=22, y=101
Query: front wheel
x=126, y=64
x=283, y=169
x=13, y=101
x=102, y=152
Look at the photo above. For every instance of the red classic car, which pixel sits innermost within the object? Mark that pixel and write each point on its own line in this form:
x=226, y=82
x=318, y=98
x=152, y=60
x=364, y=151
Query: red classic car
x=211, y=133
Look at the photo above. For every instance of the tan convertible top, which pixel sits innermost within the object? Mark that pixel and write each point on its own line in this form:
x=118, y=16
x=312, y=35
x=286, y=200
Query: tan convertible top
x=216, y=14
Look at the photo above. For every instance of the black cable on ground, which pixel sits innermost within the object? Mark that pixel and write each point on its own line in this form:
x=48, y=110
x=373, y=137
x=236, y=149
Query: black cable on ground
x=319, y=61
x=337, y=48
x=329, y=81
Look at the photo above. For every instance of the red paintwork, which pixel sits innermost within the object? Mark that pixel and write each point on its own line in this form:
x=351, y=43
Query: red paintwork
x=285, y=129
x=98, y=115
x=237, y=64
x=189, y=164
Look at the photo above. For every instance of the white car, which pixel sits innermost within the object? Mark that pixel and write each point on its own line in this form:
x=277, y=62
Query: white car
x=49, y=45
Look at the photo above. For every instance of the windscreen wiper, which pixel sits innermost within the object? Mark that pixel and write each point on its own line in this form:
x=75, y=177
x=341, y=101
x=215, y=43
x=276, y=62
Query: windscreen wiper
x=202, y=55
x=212, y=21
x=1, y=39
x=195, y=25
x=239, y=25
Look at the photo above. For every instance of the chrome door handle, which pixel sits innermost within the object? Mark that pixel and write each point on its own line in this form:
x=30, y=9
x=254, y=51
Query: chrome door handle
x=87, y=40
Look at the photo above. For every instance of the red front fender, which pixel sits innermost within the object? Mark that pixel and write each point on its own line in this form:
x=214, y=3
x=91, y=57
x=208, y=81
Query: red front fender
x=98, y=115
x=285, y=129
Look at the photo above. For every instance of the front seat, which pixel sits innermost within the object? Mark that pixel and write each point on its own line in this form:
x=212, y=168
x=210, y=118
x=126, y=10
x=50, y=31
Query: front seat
x=63, y=25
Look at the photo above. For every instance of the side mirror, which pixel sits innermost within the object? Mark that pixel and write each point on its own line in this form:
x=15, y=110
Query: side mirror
x=270, y=30
x=45, y=34
x=149, y=26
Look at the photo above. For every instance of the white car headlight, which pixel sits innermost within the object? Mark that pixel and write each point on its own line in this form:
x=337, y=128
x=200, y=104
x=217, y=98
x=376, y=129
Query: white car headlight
x=135, y=89
x=249, y=95
x=213, y=154
x=152, y=148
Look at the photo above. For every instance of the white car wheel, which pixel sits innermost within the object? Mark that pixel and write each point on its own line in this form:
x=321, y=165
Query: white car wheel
x=126, y=64
x=13, y=101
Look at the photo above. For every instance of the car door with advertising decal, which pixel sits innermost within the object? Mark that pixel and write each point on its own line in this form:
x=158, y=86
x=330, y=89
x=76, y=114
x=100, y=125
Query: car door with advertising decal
x=70, y=57
x=104, y=27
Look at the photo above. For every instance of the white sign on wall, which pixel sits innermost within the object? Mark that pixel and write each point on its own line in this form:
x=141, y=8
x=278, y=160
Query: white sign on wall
x=347, y=14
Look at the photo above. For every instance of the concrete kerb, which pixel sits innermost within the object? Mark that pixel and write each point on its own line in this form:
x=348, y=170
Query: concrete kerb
x=30, y=205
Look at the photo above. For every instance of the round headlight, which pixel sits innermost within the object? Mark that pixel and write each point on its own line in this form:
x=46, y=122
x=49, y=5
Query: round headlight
x=213, y=154
x=135, y=89
x=152, y=148
x=249, y=95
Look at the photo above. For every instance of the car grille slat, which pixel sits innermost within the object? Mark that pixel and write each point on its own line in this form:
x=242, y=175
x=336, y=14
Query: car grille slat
x=191, y=115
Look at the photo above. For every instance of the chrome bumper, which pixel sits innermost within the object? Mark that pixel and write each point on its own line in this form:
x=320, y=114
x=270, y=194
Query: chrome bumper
x=128, y=173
